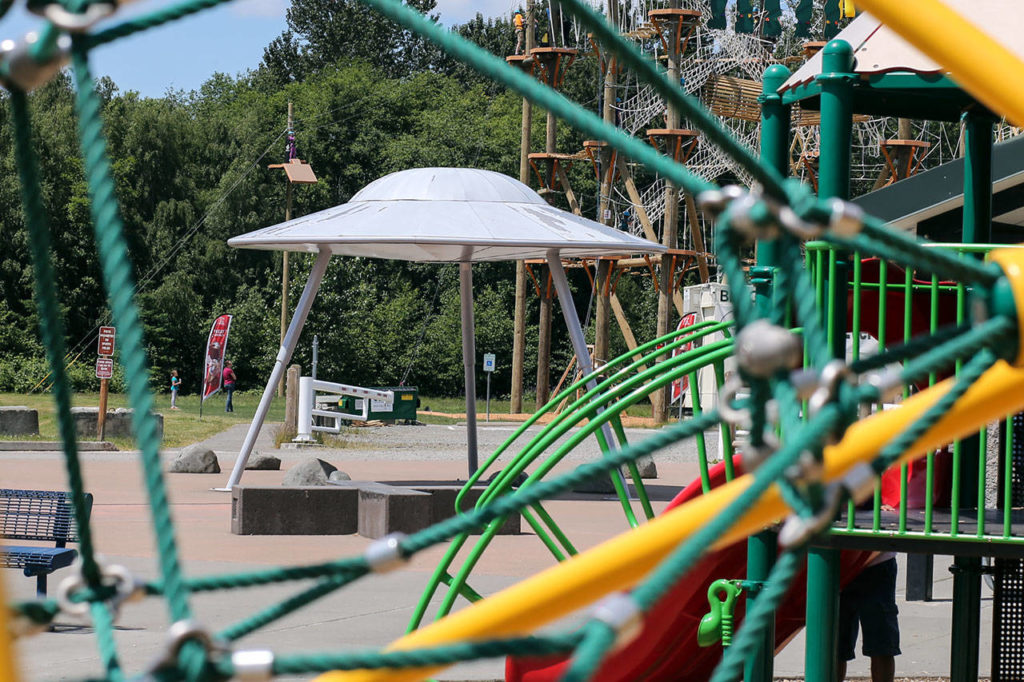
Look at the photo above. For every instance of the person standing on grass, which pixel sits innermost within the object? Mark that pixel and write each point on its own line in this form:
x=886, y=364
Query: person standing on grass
x=229, y=385
x=175, y=384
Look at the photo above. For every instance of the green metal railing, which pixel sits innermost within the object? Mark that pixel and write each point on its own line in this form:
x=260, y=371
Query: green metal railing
x=625, y=381
x=968, y=487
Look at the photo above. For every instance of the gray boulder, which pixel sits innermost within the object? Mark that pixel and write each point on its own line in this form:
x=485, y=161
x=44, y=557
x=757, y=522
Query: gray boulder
x=195, y=459
x=260, y=461
x=311, y=471
x=600, y=484
x=339, y=475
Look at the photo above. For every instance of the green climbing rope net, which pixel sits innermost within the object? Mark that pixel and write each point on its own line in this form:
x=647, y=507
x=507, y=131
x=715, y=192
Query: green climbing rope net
x=779, y=210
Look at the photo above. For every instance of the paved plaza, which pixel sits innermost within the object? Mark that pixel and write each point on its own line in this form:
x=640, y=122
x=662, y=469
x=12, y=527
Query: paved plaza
x=375, y=610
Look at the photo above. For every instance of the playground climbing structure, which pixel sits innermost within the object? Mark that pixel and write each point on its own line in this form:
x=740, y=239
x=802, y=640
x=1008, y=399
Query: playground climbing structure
x=827, y=454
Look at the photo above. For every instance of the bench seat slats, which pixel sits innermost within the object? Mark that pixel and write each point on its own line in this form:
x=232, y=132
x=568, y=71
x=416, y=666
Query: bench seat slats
x=34, y=559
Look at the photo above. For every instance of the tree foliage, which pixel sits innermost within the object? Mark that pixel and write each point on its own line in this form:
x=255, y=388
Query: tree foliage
x=190, y=171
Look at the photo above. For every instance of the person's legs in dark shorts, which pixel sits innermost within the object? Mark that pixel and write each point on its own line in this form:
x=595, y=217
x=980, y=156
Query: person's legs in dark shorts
x=870, y=602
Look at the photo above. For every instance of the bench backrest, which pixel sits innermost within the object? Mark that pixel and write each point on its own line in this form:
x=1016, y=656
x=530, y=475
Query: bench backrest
x=45, y=515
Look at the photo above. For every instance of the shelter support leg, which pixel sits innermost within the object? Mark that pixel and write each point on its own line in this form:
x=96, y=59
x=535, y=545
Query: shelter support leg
x=572, y=321
x=284, y=356
x=469, y=360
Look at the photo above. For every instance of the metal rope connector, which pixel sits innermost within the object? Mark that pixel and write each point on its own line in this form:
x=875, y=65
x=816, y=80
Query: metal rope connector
x=715, y=201
x=21, y=70
x=76, y=22
x=763, y=349
x=753, y=456
x=385, y=555
x=798, y=530
x=127, y=588
x=828, y=385
x=253, y=665
x=621, y=613
x=846, y=219
x=178, y=635
x=888, y=382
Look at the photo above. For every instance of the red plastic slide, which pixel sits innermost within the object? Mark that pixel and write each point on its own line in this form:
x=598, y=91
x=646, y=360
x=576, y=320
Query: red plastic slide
x=667, y=647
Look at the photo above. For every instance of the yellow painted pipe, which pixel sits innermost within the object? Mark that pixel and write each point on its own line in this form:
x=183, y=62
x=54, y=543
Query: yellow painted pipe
x=8, y=669
x=621, y=562
x=987, y=70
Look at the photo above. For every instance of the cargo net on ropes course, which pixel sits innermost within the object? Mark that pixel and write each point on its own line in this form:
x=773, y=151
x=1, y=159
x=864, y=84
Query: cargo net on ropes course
x=769, y=356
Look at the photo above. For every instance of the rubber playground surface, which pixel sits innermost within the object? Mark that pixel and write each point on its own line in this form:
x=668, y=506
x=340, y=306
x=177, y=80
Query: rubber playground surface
x=372, y=612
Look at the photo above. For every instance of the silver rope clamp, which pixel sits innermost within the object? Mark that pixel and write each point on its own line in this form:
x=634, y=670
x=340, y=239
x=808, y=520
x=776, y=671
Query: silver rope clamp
x=254, y=665
x=753, y=456
x=715, y=201
x=23, y=70
x=797, y=530
x=385, y=555
x=763, y=348
x=127, y=588
x=828, y=385
x=846, y=218
x=178, y=635
x=860, y=482
x=621, y=613
x=887, y=381
x=77, y=22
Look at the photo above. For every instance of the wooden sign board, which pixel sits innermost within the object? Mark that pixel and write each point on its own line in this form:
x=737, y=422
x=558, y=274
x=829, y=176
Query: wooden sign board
x=106, y=342
x=104, y=368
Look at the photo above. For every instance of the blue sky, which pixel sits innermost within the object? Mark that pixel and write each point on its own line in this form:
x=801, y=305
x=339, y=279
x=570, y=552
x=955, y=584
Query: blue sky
x=228, y=39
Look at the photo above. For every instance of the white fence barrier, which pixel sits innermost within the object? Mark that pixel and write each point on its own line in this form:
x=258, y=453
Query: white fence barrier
x=310, y=405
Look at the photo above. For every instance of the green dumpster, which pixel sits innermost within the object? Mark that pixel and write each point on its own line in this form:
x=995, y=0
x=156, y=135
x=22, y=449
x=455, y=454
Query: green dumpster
x=403, y=408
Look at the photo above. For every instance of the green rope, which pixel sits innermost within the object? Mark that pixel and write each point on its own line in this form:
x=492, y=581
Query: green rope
x=151, y=20
x=51, y=328
x=418, y=658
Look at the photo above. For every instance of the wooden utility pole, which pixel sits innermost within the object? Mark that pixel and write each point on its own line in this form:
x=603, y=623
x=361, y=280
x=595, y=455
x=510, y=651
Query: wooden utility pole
x=660, y=399
x=284, y=262
x=519, y=320
x=296, y=172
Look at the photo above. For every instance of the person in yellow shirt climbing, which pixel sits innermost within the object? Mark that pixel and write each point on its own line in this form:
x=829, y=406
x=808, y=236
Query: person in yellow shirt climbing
x=517, y=21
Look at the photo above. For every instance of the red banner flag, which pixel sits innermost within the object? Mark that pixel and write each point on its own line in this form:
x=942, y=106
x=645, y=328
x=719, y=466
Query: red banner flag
x=680, y=385
x=216, y=349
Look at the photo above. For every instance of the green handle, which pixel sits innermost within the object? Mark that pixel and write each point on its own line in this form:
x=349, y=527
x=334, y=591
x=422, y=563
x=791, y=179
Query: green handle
x=717, y=624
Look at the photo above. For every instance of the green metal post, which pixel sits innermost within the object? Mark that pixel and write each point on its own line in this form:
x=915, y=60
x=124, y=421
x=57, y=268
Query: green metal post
x=966, y=619
x=966, y=628
x=761, y=548
x=833, y=181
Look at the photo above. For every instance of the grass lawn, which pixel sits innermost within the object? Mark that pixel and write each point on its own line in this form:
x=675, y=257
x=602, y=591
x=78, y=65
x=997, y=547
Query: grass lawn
x=498, y=408
x=181, y=427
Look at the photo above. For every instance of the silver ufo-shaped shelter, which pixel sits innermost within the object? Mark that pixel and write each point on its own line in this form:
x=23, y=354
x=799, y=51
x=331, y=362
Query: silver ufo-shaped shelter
x=450, y=215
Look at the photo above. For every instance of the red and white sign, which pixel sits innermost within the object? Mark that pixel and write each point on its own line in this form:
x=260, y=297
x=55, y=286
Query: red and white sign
x=216, y=348
x=106, y=343
x=680, y=385
x=104, y=368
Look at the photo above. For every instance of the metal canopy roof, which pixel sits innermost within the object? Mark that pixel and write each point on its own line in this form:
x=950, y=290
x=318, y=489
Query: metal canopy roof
x=878, y=49
x=931, y=203
x=446, y=215
x=898, y=80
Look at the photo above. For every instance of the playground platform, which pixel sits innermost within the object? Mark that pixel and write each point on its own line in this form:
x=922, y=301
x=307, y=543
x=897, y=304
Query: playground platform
x=357, y=616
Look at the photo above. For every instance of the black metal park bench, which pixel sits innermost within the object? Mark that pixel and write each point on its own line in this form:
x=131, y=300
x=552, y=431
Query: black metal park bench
x=41, y=516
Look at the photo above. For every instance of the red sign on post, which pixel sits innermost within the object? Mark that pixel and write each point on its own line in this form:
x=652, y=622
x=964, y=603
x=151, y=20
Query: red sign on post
x=106, y=344
x=104, y=368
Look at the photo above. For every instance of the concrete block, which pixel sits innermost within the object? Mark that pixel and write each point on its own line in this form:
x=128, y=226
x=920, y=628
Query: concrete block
x=19, y=421
x=385, y=509
x=118, y=423
x=276, y=510
x=442, y=500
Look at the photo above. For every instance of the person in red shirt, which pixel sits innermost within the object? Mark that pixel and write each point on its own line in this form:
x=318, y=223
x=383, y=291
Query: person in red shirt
x=229, y=385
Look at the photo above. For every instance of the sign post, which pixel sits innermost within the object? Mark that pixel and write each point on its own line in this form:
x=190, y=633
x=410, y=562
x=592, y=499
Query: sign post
x=489, y=369
x=104, y=371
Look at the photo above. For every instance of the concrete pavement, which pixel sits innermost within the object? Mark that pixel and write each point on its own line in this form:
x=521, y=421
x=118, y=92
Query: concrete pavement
x=371, y=612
